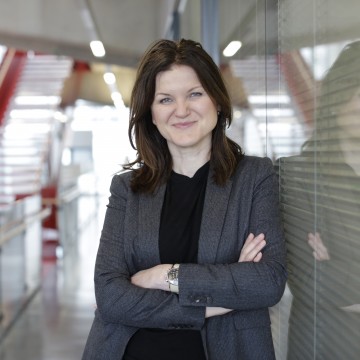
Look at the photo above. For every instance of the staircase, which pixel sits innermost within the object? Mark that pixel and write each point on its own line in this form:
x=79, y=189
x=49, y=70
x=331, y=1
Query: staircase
x=31, y=125
x=275, y=121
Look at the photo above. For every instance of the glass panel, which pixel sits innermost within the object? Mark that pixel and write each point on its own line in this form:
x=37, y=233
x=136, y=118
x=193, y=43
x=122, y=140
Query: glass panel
x=295, y=88
x=319, y=182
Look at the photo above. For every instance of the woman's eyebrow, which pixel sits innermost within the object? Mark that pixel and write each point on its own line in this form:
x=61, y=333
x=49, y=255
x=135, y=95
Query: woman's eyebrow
x=167, y=94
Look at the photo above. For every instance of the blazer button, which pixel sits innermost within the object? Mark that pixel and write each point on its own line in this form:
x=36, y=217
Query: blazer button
x=201, y=299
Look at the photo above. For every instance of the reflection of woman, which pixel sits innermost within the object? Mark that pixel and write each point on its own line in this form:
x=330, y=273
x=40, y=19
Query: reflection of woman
x=321, y=210
x=179, y=273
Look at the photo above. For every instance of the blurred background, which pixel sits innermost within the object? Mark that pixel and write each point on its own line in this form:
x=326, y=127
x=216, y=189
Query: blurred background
x=66, y=73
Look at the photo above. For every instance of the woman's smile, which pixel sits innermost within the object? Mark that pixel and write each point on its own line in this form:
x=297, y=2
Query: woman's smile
x=182, y=111
x=184, y=125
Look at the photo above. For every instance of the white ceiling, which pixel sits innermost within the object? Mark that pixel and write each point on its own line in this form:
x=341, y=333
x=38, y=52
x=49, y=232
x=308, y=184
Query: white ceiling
x=127, y=27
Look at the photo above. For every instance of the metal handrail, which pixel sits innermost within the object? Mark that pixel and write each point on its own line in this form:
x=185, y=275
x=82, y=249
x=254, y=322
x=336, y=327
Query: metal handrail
x=63, y=199
x=23, y=225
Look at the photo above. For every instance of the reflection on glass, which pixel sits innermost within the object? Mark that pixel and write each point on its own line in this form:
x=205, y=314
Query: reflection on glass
x=321, y=209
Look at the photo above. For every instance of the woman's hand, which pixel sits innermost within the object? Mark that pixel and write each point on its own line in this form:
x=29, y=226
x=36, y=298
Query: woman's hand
x=320, y=251
x=251, y=250
x=153, y=278
x=215, y=311
x=354, y=308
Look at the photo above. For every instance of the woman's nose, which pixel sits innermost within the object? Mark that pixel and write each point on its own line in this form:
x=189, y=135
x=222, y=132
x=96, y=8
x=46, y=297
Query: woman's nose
x=182, y=109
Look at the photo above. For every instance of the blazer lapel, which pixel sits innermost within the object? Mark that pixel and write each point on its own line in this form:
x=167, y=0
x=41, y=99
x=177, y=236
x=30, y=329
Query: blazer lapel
x=213, y=217
x=148, y=227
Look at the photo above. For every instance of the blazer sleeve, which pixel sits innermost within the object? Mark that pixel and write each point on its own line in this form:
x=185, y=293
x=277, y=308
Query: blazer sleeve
x=118, y=301
x=246, y=285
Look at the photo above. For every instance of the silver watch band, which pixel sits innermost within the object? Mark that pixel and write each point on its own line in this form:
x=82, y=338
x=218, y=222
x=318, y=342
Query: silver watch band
x=172, y=278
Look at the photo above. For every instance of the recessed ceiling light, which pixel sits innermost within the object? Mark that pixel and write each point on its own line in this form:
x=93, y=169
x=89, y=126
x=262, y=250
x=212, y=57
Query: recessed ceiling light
x=109, y=78
x=97, y=48
x=232, y=48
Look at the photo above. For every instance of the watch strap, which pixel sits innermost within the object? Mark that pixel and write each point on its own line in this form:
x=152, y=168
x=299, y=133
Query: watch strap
x=173, y=287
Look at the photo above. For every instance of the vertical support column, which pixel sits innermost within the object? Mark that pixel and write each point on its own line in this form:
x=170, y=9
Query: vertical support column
x=271, y=32
x=176, y=25
x=210, y=28
x=271, y=27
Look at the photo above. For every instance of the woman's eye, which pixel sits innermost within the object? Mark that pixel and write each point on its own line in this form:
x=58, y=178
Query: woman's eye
x=194, y=94
x=165, y=100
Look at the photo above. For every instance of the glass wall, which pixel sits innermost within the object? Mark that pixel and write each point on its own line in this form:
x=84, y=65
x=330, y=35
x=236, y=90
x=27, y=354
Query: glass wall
x=319, y=183
x=295, y=85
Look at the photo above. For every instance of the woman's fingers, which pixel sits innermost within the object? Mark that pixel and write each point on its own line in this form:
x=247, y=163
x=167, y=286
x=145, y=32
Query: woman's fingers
x=251, y=250
x=258, y=257
x=320, y=251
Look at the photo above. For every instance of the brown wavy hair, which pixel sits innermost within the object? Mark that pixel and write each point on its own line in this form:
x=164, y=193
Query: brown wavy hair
x=153, y=164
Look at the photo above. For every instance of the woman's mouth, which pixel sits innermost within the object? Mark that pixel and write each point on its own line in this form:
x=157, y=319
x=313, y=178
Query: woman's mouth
x=184, y=125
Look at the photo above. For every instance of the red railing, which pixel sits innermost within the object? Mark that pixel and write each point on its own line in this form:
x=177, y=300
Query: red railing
x=10, y=72
x=300, y=82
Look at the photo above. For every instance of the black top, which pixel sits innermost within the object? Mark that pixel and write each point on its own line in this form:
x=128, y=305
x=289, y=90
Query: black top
x=178, y=243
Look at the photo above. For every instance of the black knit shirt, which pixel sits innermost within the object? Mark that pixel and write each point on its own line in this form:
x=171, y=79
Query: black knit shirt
x=178, y=243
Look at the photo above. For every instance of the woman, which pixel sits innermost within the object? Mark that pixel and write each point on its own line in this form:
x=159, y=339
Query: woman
x=321, y=209
x=183, y=270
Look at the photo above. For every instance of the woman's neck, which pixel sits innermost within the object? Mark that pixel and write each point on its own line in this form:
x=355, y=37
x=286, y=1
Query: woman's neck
x=188, y=164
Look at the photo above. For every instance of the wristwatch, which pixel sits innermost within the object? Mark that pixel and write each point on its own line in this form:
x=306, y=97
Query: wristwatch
x=172, y=278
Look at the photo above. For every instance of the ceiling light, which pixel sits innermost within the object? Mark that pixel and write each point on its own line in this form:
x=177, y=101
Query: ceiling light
x=109, y=78
x=97, y=48
x=232, y=48
x=118, y=100
x=116, y=96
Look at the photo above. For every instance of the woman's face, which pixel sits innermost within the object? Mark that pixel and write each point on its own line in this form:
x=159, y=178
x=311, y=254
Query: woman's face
x=182, y=111
x=349, y=116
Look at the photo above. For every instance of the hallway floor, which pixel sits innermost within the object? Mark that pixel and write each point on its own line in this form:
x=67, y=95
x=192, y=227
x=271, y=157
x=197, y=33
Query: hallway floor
x=55, y=324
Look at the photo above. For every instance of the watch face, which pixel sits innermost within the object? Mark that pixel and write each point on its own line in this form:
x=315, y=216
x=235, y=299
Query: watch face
x=173, y=276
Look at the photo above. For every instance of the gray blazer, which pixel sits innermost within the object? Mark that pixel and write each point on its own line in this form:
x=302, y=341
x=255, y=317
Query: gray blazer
x=129, y=243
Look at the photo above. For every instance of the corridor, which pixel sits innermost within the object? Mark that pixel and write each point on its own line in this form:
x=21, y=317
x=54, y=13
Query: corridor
x=55, y=324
